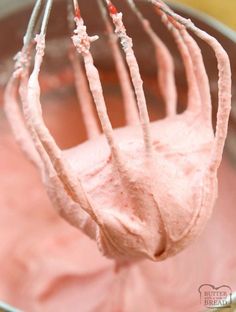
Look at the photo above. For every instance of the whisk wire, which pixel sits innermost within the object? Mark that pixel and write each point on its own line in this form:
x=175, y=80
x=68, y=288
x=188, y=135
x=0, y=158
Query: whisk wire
x=32, y=22
x=131, y=112
x=46, y=16
x=82, y=42
x=165, y=72
x=224, y=82
x=81, y=84
x=127, y=46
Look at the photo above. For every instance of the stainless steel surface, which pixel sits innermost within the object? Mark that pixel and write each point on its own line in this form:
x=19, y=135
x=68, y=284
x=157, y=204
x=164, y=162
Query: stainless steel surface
x=4, y=307
x=7, y=7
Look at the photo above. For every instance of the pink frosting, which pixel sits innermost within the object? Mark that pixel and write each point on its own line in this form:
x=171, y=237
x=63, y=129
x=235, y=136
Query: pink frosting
x=47, y=265
x=176, y=179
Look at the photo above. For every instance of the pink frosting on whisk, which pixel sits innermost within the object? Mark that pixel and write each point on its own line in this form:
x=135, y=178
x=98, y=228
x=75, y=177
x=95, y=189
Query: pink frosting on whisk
x=145, y=190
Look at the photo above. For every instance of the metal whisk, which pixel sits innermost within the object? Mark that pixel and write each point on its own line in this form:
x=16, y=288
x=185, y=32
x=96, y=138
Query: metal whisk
x=147, y=189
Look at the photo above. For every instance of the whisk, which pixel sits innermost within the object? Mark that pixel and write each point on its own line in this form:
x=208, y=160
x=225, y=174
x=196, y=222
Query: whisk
x=145, y=190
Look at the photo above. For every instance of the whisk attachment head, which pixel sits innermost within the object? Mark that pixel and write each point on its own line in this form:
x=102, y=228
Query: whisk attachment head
x=145, y=190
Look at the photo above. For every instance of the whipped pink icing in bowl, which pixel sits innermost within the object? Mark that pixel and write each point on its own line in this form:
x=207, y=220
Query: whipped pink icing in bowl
x=148, y=201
